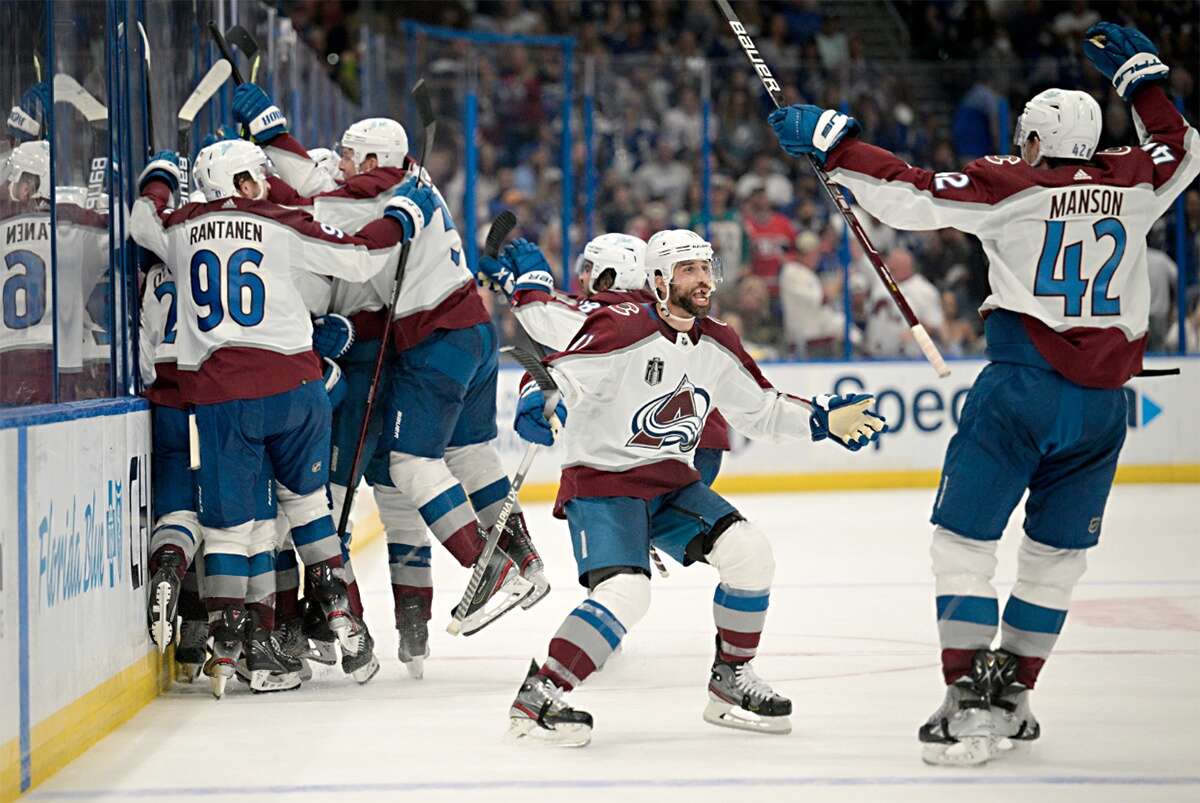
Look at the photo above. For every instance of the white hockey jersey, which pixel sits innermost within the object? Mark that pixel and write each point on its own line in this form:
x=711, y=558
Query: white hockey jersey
x=242, y=328
x=1066, y=246
x=638, y=394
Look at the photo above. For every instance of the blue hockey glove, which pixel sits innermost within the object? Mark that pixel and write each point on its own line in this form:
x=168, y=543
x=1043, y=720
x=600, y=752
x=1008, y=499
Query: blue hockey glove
x=803, y=129
x=253, y=108
x=412, y=206
x=23, y=119
x=224, y=131
x=164, y=166
x=531, y=423
x=1124, y=55
x=335, y=386
x=846, y=419
x=528, y=262
x=496, y=274
x=333, y=335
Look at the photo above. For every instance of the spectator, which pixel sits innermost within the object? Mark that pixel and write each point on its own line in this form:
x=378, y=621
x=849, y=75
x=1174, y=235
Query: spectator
x=664, y=177
x=977, y=122
x=770, y=174
x=887, y=331
x=813, y=326
x=759, y=324
x=959, y=335
x=683, y=125
x=725, y=228
x=770, y=236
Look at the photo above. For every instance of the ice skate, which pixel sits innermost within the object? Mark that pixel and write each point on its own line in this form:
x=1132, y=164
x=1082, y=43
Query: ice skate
x=226, y=649
x=362, y=665
x=1011, y=713
x=502, y=585
x=539, y=715
x=322, y=641
x=335, y=604
x=962, y=732
x=519, y=545
x=739, y=698
x=293, y=643
x=412, y=627
x=192, y=650
x=164, y=599
x=268, y=667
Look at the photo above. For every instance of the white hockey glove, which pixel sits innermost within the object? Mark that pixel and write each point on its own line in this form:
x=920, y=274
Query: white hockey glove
x=846, y=419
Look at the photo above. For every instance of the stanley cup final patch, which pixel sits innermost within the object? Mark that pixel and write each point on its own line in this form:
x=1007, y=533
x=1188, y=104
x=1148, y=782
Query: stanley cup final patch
x=654, y=371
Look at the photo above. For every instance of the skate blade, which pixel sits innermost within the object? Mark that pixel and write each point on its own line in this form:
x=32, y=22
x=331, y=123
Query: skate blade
x=510, y=595
x=415, y=667
x=324, y=652
x=522, y=730
x=724, y=715
x=364, y=673
x=539, y=593
x=305, y=670
x=263, y=682
x=187, y=673
x=968, y=751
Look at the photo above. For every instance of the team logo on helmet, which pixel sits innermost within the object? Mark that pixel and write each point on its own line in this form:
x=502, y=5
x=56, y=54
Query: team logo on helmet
x=674, y=419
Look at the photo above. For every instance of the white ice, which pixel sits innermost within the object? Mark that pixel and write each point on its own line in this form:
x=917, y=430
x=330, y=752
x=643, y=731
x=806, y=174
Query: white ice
x=850, y=637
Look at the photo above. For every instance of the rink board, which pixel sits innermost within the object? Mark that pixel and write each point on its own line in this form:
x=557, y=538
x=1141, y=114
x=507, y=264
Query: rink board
x=74, y=653
x=922, y=413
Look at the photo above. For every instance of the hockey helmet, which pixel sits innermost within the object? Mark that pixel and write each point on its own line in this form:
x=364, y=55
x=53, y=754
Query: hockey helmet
x=381, y=136
x=1066, y=121
x=668, y=248
x=218, y=165
x=623, y=254
x=32, y=158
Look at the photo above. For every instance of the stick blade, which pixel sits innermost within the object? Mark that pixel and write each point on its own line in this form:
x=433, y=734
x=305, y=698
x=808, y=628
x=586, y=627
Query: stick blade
x=502, y=226
x=420, y=93
x=240, y=38
x=213, y=80
x=68, y=90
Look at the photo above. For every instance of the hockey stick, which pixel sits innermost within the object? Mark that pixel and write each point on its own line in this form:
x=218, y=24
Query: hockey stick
x=226, y=54
x=68, y=90
x=149, y=94
x=881, y=269
x=212, y=81
x=240, y=38
x=424, y=105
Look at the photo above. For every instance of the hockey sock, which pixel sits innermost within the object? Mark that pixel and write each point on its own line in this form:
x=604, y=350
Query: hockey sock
x=739, y=615
x=287, y=585
x=313, y=532
x=967, y=611
x=260, y=589
x=179, y=531
x=442, y=503
x=226, y=578
x=1037, y=609
x=593, y=631
x=157, y=556
x=355, y=598
x=479, y=470
x=409, y=554
x=401, y=592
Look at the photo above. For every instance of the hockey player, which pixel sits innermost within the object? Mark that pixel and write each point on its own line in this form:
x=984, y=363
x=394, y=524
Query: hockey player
x=639, y=382
x=247, y=365
x=444, y=476
x=611, y=271
x=1064, y=229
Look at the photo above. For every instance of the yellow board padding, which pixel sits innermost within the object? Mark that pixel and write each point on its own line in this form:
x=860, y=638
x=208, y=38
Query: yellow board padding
x=10, y=770
x=873, y=480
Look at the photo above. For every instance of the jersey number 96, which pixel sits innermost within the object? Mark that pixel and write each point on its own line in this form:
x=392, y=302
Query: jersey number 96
x=242, y=295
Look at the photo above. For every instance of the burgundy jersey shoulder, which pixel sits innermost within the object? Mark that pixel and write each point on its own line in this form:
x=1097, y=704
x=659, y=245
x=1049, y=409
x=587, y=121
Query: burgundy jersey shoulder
x=607, y=298
x=280, y=192
x=368, y=185
x=612, y=328
x=295, y=219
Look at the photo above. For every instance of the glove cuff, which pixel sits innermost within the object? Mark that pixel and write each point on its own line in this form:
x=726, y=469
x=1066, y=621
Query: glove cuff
x=1141, y=67
x=408, y=213
x=23, y=122
x=270, y=120
x=160, y=169
x=534, y=280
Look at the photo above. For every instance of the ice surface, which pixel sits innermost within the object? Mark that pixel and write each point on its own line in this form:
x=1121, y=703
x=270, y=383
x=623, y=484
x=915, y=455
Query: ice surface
x=851, y=638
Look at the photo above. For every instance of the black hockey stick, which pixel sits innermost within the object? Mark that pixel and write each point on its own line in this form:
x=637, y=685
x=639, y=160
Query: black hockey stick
x=242, y=39
x=928, y=348
x=149, y=94
x=425, y=109
x=226, y=54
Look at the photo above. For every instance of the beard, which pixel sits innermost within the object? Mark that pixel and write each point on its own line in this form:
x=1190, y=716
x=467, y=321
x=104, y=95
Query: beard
x=684, y=299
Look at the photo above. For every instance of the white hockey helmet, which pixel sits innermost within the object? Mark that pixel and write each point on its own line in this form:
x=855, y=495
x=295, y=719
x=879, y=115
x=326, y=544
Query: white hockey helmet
x=381, y=136
x=220, y=163
x=32, y=158
x=623, y=254
x=1066, y=121
x=327, y=162
x=668, y=248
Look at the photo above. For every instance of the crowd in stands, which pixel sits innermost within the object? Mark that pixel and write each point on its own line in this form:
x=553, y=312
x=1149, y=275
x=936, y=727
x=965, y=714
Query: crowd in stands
x=794, y=285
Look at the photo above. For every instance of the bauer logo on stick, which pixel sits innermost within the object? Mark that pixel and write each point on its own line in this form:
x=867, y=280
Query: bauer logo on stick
x=752, y=52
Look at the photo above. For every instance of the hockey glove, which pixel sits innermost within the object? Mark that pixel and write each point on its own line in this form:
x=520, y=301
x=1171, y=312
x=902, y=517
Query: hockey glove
x=333, y=335
x=846, y=420
x=412, y=207
x=1124, y=55
x=334, y=385
x=23, y=122
x=533, y=272
x=164, y=166
x=531, y=423
x=804, y=129
x=253, y=108
x=496, y=274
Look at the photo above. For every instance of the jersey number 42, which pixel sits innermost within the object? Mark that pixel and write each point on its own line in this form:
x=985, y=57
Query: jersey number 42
x=1069, y=283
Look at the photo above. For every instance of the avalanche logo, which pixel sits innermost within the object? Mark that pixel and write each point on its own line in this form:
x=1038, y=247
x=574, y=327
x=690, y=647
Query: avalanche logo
x=675, y=419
